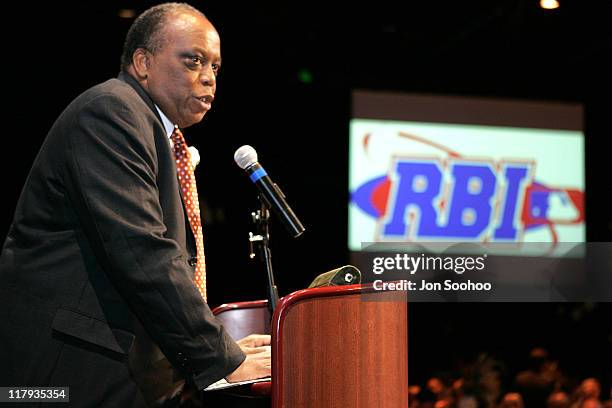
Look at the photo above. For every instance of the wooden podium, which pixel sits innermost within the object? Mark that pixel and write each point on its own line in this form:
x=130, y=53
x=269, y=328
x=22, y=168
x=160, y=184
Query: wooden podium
x=337, y=346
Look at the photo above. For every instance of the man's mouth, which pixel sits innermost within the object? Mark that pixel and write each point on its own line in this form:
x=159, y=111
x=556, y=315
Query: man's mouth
x=207, y=99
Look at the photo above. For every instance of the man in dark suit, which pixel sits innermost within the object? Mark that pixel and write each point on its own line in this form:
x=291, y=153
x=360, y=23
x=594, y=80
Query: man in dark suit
x=96, y=273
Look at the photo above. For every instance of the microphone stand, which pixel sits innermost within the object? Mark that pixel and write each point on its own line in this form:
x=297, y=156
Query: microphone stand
x=261, y=239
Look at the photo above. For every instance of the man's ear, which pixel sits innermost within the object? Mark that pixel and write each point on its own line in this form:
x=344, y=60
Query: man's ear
x=140, y=62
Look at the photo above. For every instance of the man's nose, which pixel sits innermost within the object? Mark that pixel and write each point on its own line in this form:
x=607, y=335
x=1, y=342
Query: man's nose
x=207, y=75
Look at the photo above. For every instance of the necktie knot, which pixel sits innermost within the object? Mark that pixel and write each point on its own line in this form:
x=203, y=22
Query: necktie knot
x=177, y=138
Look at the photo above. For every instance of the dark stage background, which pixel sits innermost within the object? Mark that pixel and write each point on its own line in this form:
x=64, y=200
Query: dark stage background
x=284, y=88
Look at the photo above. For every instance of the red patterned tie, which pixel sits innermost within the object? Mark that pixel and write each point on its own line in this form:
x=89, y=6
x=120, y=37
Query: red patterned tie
x=190, y=199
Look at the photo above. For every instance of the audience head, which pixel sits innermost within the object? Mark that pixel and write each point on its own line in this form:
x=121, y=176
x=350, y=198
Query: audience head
x=558, y=399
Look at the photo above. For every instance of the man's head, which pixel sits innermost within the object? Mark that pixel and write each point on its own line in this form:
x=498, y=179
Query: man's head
x=590, y=388
x=558, y=399
x=512, y=400
x=174, y=52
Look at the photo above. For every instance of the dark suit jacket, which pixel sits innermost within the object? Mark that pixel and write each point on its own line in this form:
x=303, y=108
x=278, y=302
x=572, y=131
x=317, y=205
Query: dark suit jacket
x=98, y=264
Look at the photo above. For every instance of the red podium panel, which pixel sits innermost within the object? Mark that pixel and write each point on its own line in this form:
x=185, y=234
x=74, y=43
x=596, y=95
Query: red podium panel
x=340, y=346
x=243, y=318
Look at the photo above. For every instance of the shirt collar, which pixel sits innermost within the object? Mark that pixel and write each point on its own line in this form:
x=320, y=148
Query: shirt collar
x=168, y=125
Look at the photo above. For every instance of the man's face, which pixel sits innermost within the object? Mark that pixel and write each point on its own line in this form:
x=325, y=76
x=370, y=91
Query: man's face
x=181, y=76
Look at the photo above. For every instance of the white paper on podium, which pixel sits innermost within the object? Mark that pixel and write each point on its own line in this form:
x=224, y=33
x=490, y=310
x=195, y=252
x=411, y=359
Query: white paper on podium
x=222, y=383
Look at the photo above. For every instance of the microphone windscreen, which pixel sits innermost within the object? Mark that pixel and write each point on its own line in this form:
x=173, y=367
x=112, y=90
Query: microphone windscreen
x=245, y=156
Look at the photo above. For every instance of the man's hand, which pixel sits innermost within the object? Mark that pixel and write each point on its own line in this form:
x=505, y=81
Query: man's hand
x=256, y=365
x=254, y=340
x=258, y=360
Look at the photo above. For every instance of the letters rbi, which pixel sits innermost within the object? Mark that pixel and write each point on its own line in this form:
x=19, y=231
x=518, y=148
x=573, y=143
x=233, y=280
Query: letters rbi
x=475, y=199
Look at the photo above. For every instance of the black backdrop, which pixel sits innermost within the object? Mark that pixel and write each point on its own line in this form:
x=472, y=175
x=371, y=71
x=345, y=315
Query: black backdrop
x=54, y=51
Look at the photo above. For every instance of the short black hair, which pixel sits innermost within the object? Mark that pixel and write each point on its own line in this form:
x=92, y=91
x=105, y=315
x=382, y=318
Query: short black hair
x=144, y=32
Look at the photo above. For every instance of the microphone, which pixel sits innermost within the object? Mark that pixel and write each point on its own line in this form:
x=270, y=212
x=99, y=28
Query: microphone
x=246, y=158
